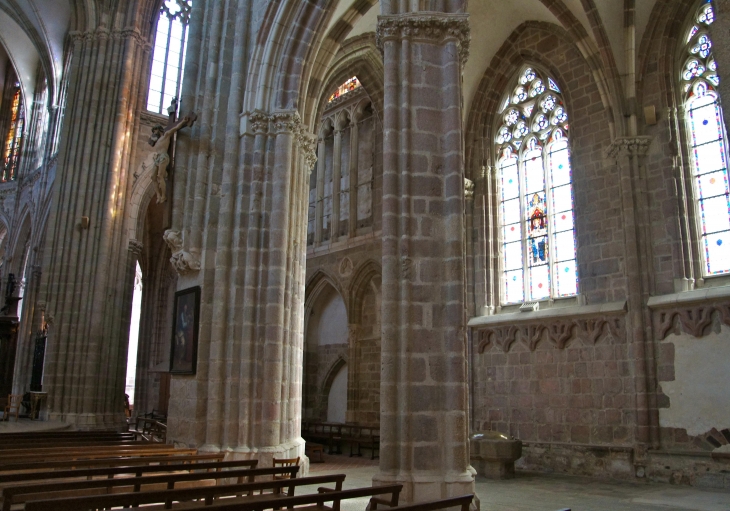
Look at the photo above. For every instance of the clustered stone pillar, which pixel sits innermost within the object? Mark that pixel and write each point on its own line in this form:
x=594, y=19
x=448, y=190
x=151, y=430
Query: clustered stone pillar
x=354, y=162
x=424, y=391
x=85, y=281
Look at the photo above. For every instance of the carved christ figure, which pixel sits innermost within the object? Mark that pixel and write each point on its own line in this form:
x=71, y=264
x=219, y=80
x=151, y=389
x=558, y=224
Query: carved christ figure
x=159, y=158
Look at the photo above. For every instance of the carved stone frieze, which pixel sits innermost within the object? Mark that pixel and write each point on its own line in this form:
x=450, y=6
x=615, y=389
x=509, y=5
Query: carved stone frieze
x=693, y=319
x=628, y=146
x=102, y=33
x=559, y=332
x=431, y=26
x=286, y=122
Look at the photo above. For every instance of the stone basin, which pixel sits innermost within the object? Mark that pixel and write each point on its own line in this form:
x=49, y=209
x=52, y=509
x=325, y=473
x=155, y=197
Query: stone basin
x=493, y=454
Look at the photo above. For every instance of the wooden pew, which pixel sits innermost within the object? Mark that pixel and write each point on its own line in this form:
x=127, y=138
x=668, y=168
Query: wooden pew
x=129, y=467
x=463, y=502
x=45, y=437
x=75, y=453
x=97, y=487
x=242, y=493
x=314, y=501
x=57, y=444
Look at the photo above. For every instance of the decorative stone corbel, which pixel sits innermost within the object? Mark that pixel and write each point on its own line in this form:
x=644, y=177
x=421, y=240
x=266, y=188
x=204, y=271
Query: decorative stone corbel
x=184, y=262
x=468, y=188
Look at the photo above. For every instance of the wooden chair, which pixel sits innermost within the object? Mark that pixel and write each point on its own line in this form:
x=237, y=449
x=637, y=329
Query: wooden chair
x=285, y=462
x=13, y=406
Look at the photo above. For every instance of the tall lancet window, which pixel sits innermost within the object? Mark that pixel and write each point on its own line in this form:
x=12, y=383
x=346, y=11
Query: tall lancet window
x=708, y=146
x=14, y=136
x=169, y=54
x=536, y=195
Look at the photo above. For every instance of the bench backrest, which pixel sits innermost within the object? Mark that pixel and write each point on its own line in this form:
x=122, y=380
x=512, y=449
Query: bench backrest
x=17, y=494
x=463, y=502
x=174, y=457
x=137, y=470
x=208, y=493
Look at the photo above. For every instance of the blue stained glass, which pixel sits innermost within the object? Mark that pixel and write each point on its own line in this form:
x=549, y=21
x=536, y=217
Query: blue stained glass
x=510, y=179
x=553, y=85
x=538, y=250
x=566, y=280
x=511, y=233
x=560, y=163
x=563, y=221
x=709, y=157
x=514, y=287
x=706, y=123
x=692, y=32
x=511, y=211
x=717, y=255
x=564, y=246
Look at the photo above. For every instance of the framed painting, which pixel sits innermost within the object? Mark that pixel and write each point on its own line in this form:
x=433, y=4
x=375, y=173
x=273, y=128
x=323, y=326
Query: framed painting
x=186, y=318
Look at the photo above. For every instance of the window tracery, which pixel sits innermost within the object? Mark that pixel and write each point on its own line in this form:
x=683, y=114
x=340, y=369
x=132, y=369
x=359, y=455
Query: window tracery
x=708, y=147
x=536, y=196
x=349, y=86
x=168, y=58
x=14, y=137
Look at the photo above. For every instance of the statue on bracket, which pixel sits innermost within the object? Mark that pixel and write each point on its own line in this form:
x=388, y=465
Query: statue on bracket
x=159, y=157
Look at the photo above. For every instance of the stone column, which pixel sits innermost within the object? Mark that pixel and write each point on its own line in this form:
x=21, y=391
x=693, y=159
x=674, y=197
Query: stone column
x=85, y=284
x=627, y=152
x=354, y=162
x=353, y=363
x=319, y=201
x=424, y=390
x=337, y=178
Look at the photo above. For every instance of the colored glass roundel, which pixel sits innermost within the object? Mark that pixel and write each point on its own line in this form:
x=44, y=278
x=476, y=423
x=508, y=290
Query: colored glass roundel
x=708, y=146
x=536, y=203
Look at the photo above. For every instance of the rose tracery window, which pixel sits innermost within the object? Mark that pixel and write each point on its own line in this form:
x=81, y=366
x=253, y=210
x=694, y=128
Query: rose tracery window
x=14, y=136
x=708, y=147
x=169, y=54
x=536, y=196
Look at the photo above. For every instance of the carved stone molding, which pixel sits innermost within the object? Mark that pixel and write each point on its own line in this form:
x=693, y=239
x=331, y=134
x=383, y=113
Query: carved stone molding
x=431, y=26
x=184, y=262
x=628, y=146
x=102, y=33
x=286, y=122
x=693, y=319
x=135, y=247
x=468, y=188
x=559, y=332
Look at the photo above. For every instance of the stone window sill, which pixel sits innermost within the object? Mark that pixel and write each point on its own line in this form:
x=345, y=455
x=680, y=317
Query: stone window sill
x=688, y=297
x=548, y=314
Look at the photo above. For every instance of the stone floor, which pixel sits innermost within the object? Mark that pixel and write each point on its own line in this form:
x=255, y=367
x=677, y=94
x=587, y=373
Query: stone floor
x=549, y=492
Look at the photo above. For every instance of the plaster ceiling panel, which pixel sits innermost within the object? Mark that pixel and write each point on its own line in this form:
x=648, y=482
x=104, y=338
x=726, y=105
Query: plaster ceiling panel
x=491, y=25
x=367, y=23
x=576, y=7
x=612, y=19
x=54, y=17
x=22, y=53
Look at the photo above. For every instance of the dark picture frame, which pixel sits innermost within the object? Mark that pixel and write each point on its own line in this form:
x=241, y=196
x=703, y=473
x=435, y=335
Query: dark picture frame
x=185, y=323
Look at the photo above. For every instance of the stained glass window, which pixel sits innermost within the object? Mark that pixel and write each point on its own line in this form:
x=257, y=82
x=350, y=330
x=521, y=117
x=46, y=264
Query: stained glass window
x=169, y=54
x=14, y=137
x=536, y=202
x=708, y=147
x=350, y=85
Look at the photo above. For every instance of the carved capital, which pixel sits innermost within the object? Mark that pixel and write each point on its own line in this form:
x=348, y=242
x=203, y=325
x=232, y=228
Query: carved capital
x=135, y=247
x=433, y=27
x=628, y=146
x=259, y=122
x=286, y=122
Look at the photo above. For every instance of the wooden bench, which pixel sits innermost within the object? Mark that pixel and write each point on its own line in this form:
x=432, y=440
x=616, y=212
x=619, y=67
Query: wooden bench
x=335, y=435
x=132, y=468
x=243, y=494
x=150, y=429
x=314, y=502
x=75, y=453
x=463, y=502
x=28, y=445
x=97, y=487
x=67, y=436
x=44, y=466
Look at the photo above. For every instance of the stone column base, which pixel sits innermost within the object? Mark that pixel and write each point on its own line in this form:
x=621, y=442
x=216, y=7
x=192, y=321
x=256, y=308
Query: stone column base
x=422, y=488
x=265, y=455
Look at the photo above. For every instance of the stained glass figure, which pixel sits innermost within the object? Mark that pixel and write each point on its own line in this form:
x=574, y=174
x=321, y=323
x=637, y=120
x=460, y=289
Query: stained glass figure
x=349, y=86
x=537, y=221
x=14, y=136
x=708, y=146
x=168, y=59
